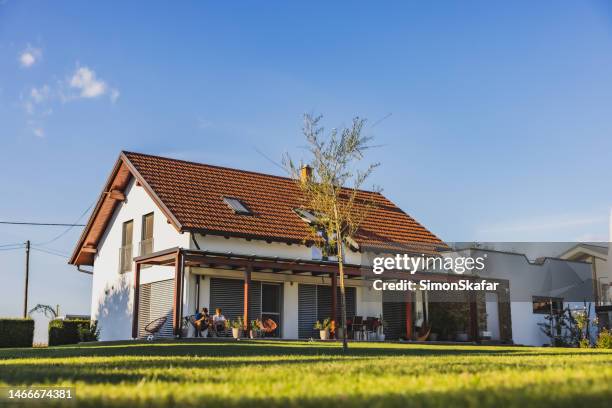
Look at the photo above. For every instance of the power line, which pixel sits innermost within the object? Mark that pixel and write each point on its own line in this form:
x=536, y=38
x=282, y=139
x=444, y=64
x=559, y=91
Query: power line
x=67, y=229
x=10, y=245
x=43, y=224
x=12, y=249
x=50, y=252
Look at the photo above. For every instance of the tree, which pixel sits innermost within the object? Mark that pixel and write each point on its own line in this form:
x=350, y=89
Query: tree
x=331, y=190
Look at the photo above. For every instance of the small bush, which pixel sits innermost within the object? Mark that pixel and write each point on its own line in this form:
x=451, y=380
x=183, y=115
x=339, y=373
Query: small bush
x=71, y=331
x=604, y=340
x=16, y=332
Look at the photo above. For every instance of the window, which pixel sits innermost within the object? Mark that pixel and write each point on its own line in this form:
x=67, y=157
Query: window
x=237, y=205
x=546, y=305
x=146, y=243
x=306, y=215
x=125, y=252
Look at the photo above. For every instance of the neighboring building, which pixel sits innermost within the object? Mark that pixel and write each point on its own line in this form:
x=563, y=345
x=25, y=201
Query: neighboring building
x=536, y=288
x=220, y=237
x=597, y=255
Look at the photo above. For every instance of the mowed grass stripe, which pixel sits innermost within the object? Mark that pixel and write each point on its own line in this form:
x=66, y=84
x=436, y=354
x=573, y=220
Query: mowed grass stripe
x=277, y=373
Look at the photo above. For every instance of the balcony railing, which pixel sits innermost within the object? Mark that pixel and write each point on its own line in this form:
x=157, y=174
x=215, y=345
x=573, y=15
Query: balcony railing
x=125, y=258
x=146, y=246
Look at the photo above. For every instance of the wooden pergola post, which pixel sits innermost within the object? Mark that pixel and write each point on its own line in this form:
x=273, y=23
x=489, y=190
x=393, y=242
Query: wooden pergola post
x=247, y=283
x=178, y=296
x=136, y=300
x=334, y=296
x=408, y=315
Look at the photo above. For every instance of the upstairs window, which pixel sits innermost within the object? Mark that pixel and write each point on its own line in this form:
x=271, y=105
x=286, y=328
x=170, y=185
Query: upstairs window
x=146, y=243
x=237, y=205
x=125, y=252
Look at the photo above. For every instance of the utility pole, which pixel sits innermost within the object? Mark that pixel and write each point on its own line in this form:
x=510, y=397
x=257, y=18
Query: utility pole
x=27, y=278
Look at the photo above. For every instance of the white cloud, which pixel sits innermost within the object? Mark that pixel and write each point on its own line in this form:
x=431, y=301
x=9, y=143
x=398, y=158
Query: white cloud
x=38, y=132
x=29, y=56
x=114, y=95
x=41, y=94
x=545, y=223
x=84, y=79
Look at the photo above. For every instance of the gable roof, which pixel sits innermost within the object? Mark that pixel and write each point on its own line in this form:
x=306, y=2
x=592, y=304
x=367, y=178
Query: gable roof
x=191, y=196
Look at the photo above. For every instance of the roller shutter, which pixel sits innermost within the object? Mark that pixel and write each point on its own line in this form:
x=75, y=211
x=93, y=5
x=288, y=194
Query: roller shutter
x=228, y=294
x=307, y=310
x=155, y=301
x=394, y=314
x=314, y=303
x=324, y=302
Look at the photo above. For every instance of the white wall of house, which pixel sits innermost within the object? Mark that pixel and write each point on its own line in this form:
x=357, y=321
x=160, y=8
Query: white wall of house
x=112, y=291
x=241, y=246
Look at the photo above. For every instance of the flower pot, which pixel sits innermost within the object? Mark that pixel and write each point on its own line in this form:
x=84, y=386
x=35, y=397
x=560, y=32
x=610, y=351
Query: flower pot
x=339, y=333
x=324, y=334
x=236, y=333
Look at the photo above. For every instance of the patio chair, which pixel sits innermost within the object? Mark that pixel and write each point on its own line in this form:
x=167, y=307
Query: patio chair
x=268, y=326
x=423, y=333
x=369, y=327
x=357, y=323
x=198, y=328
x=154, y=327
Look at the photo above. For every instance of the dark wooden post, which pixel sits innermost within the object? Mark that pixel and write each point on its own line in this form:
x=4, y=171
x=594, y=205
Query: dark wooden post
x=178, y=297
x=136, y=300
x=247, y=283
x=474, y=335
x=334, y=302
x=408, y=315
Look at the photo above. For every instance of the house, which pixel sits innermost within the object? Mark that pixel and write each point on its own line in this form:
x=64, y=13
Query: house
x=168, y=237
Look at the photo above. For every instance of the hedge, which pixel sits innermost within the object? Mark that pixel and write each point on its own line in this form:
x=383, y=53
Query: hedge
x=66, y=331
x=16, y=332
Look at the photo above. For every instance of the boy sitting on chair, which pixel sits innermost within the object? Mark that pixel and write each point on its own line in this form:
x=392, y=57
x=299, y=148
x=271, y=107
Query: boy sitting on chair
x=218, y=322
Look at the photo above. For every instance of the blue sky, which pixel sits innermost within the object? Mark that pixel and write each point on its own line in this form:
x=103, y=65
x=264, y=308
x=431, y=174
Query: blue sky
x=496, y=116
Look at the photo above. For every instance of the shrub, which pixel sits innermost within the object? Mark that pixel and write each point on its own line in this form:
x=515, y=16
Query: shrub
x=604, y=340
x=71, y=331
x=16, y=332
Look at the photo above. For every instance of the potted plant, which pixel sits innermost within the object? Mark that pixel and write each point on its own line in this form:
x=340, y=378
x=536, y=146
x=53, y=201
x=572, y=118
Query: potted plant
x=323, y=328
x=255, y=331
x=236, y=326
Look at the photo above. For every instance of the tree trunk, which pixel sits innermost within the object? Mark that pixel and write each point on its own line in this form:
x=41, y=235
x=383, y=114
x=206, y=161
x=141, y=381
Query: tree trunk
x=342, y=293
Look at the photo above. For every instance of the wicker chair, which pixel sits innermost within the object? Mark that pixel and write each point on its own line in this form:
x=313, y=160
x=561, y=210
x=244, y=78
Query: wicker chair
x=268, y=326
x=154, y=327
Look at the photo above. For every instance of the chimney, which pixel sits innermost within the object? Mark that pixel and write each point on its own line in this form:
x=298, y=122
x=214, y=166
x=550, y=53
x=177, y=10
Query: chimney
x=305, y=173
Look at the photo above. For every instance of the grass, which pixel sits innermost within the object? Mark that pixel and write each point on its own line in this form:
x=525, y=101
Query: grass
x=276, y=373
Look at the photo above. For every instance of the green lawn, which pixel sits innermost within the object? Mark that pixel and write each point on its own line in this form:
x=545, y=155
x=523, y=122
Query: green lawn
x=274, y=373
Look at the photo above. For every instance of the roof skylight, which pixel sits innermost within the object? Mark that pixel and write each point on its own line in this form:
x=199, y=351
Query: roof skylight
x=237, y=205
x=306, y=215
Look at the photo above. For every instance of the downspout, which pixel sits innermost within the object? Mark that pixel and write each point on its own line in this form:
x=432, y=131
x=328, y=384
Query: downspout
x=195, y=242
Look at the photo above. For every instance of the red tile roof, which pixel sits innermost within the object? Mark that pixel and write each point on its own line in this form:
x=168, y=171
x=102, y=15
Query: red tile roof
x=192, y=194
